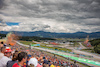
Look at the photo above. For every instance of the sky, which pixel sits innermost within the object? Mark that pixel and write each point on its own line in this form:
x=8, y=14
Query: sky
x=60, y=16
x=11, y=23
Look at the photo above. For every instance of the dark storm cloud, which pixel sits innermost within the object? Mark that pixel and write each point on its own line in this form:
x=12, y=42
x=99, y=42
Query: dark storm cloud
x=1, y=19
x=2, y=4
x=49, y=9
x=90, y=6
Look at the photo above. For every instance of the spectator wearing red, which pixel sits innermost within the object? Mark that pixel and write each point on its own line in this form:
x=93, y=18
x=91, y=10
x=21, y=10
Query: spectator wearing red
x=22, y=57
x=1, y=54
x=8, y=52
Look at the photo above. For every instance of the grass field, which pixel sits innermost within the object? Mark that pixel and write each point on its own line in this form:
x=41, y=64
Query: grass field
x=61, y=49
x=27, y=42
x=76, y=44
x=44, y=46
x=75, y=39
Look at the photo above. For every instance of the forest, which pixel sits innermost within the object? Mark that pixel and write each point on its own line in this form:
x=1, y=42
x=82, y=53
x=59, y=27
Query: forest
x=96, y=44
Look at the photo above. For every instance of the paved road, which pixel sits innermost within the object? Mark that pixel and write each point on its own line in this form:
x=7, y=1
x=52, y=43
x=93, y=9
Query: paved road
x=83, y=47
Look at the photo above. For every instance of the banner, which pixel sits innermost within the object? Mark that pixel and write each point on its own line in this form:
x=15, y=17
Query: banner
x=35, y=44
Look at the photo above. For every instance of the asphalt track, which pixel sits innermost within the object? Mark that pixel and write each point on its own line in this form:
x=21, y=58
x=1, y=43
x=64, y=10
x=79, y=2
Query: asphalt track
x=81, y=59
x=66, y=55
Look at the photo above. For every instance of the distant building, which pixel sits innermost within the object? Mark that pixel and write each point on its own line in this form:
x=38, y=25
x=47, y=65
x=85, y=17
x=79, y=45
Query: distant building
x=53, y=43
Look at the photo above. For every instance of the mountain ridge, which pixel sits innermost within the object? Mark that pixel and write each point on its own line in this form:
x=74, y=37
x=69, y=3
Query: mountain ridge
x=55, y=35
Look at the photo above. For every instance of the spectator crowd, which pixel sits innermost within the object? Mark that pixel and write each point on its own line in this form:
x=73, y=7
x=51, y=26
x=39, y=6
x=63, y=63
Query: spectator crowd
x=19, y=56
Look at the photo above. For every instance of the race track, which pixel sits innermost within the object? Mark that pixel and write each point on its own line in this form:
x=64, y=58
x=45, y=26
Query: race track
x=66, y=55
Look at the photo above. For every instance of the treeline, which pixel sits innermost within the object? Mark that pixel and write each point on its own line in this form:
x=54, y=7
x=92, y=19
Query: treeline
x=27, y=38
x=2, y=35
x=96, y=44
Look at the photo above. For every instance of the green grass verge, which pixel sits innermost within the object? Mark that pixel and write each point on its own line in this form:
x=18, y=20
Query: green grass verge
x=76, y=44
x=27, y=42
x=61, y=49
x=88, y=50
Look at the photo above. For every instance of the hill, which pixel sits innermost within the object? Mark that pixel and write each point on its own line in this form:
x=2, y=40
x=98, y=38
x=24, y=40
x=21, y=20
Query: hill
x=26, y=38
x=56, y=35
x=96, y=44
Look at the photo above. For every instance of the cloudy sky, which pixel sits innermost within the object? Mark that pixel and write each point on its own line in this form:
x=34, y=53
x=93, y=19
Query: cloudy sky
x=65, y=16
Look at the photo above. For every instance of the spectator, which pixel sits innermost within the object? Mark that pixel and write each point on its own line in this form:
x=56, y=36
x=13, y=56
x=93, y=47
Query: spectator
x=52, y=65
x=33, y=61
x=38, y=65
x=31, y=65
x=1, y=45
x=22, y=57
x=14, y=60
x=28, y=58
x=1, y=53
x=4, y=59
x=46, y=63
x=64, y=64
x=8, y=52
